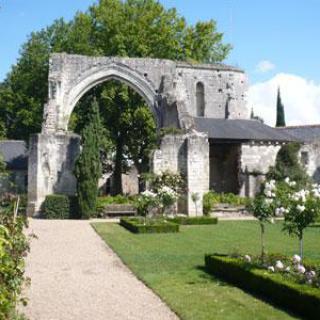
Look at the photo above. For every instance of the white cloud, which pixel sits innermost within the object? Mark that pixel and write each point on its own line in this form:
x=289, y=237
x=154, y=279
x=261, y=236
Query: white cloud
x=264, y=66
x=300, y=97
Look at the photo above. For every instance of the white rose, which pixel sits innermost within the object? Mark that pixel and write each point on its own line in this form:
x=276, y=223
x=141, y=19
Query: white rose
x=300, y=268
x=296, y=259
x=287, y=180
x=279, y=265
x=301, y=208
x=269, y=201
x=247, y=258
x=287, y=269
x=271, y=269
x=268, y=193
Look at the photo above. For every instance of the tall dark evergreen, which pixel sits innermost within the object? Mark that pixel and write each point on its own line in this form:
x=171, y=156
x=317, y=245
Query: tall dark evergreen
x=88, y=166
x=281, y=121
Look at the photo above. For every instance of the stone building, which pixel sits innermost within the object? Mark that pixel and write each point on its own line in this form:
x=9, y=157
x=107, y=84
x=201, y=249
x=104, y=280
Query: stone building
x=309, y=137
x=221, y=148
x=15, y=156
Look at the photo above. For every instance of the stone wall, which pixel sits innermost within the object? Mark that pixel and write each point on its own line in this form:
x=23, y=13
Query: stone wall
x=51, y=163
x=169, y=88
x=188, y=155
x=224, y=88
x=312, y=153
x=255, y=162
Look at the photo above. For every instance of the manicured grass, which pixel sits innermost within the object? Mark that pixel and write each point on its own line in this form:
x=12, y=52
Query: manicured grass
x=172, y=265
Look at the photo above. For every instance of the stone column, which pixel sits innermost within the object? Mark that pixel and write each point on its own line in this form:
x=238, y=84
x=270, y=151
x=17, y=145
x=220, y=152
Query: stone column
x=197, y=171
x=187, y=154
x=51, y=163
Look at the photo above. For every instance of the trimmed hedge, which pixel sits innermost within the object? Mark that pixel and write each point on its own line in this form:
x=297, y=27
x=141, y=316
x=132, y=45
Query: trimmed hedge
x=194, y=220
x=299, y=298
x=60, y=206
x=136, y=225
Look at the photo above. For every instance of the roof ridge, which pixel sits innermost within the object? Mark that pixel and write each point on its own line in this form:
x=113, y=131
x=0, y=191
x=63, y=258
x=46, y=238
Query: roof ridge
x=300, y=126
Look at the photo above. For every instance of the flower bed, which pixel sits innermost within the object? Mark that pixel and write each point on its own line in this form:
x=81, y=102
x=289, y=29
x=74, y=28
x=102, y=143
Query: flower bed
x=194, y=220
x=280, y=288
x=141, y=225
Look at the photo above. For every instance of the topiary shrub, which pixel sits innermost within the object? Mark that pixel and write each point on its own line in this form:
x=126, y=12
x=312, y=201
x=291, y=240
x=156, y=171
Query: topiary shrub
x=59, y=206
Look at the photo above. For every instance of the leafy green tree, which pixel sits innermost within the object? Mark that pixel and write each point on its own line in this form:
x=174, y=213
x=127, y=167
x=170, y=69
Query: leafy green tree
x=281, y=122
x=288, y=165
x=131, y=28
x=24, y=91
x=88, y=167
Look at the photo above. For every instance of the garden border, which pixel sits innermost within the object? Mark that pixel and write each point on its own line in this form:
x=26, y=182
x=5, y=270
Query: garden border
x=138, y=228
x=301, y=299
x=194, y=220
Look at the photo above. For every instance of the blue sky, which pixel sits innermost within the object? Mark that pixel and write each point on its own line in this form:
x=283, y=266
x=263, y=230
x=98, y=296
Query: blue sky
x=272, y=39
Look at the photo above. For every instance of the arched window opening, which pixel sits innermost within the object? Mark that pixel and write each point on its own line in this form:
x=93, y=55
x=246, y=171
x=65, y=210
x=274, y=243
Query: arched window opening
x=200, y=99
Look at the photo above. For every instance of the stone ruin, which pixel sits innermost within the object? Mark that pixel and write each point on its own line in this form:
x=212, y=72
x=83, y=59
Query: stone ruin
x=221, y=149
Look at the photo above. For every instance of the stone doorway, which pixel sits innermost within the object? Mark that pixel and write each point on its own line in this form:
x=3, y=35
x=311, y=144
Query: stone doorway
x=224, y=167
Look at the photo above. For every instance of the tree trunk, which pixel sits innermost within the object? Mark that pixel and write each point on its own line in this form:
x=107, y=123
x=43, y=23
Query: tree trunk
x=301, y=244
x=262, y=241
x=117, y=174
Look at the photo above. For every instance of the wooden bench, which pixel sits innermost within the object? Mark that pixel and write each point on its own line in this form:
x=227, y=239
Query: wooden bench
x=119, y=210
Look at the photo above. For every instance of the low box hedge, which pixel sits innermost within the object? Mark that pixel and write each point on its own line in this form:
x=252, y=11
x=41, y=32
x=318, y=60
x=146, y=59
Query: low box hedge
x=194, y=220
x=136, y=225
x=299, y=298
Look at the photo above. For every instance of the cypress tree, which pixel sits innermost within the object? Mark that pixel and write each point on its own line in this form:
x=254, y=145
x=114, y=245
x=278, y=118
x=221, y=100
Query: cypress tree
x=281, y=122
x=88, y=166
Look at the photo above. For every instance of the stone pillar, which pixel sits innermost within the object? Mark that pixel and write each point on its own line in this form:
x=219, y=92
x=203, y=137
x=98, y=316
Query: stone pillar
x=187, y=154
x=197, y=171
x=51, y=162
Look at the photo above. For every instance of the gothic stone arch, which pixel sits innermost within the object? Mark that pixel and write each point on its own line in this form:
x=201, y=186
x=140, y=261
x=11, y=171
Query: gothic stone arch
x=166, y=86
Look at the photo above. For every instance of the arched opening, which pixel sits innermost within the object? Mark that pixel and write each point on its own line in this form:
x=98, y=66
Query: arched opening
x=200, y=99
x=93, y=78
x=129, y=133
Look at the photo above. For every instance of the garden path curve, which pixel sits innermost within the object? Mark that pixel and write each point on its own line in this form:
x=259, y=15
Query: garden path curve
x=75, y=275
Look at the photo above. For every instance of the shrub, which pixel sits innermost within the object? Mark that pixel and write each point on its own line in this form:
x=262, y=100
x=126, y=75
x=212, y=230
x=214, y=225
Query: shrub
x=210, y=199
x=88, y=167
x=194, y=220
x=60, y=206
x=300, y=298
x=14, y=246
x=288, y=165
x=140, y=225
x=104, y=201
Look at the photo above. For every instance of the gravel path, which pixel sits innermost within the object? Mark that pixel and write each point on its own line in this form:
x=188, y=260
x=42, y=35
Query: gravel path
x=75, y=275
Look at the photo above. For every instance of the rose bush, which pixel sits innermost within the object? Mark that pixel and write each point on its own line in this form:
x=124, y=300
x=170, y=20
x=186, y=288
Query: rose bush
x=14, y=246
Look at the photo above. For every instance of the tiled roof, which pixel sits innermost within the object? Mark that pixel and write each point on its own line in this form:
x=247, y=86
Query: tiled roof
x=15, y=154
x=242, y=130
x=307, y=133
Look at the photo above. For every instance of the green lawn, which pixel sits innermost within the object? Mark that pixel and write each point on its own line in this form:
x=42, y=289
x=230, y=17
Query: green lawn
x=172, y=265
